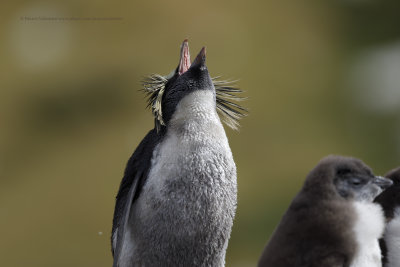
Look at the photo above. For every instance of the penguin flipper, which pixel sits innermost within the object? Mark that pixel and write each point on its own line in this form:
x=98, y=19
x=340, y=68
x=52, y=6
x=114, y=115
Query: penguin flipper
x=121, y=230
x=135, y=175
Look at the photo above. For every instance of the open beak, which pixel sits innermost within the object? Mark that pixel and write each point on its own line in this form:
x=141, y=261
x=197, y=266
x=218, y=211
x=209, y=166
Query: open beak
x=184, y=62
x=201, y=57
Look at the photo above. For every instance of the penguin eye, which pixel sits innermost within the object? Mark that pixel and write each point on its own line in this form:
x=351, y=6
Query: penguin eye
x=355, y=181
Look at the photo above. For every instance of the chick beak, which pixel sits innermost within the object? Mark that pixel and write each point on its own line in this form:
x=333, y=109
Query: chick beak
x=184, y=63
x=382, y=182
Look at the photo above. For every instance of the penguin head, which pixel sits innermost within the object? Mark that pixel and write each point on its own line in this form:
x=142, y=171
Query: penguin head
x=390, y=198
x=354, y=180
x=186, y=80
x=165, y=92
x=347, y=178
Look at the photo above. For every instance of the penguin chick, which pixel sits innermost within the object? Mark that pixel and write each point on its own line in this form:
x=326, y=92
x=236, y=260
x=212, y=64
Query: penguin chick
x=332, y=221
x=390, y=202
x=177, y=199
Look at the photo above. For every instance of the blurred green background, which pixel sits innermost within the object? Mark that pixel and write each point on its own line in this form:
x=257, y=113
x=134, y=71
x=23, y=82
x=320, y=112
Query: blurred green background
x=322, y=77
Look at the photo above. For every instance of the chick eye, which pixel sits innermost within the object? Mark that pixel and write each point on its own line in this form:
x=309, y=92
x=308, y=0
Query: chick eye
x=355, y=181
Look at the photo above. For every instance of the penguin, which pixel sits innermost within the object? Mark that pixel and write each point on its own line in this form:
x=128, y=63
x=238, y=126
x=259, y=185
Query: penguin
x=390, y=202
x=332, y=221
x=177, y=199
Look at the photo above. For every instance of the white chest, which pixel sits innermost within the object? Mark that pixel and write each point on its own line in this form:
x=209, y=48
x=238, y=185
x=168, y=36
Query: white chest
x=195, y=143
x=368, y=229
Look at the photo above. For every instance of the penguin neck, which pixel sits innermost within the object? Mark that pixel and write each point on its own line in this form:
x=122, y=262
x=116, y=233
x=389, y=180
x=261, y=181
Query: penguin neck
x=195, y=116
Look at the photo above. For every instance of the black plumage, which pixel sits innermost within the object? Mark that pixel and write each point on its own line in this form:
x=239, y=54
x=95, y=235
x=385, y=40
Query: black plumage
x=390, y=198
x=390, y=202
x=135, y=175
